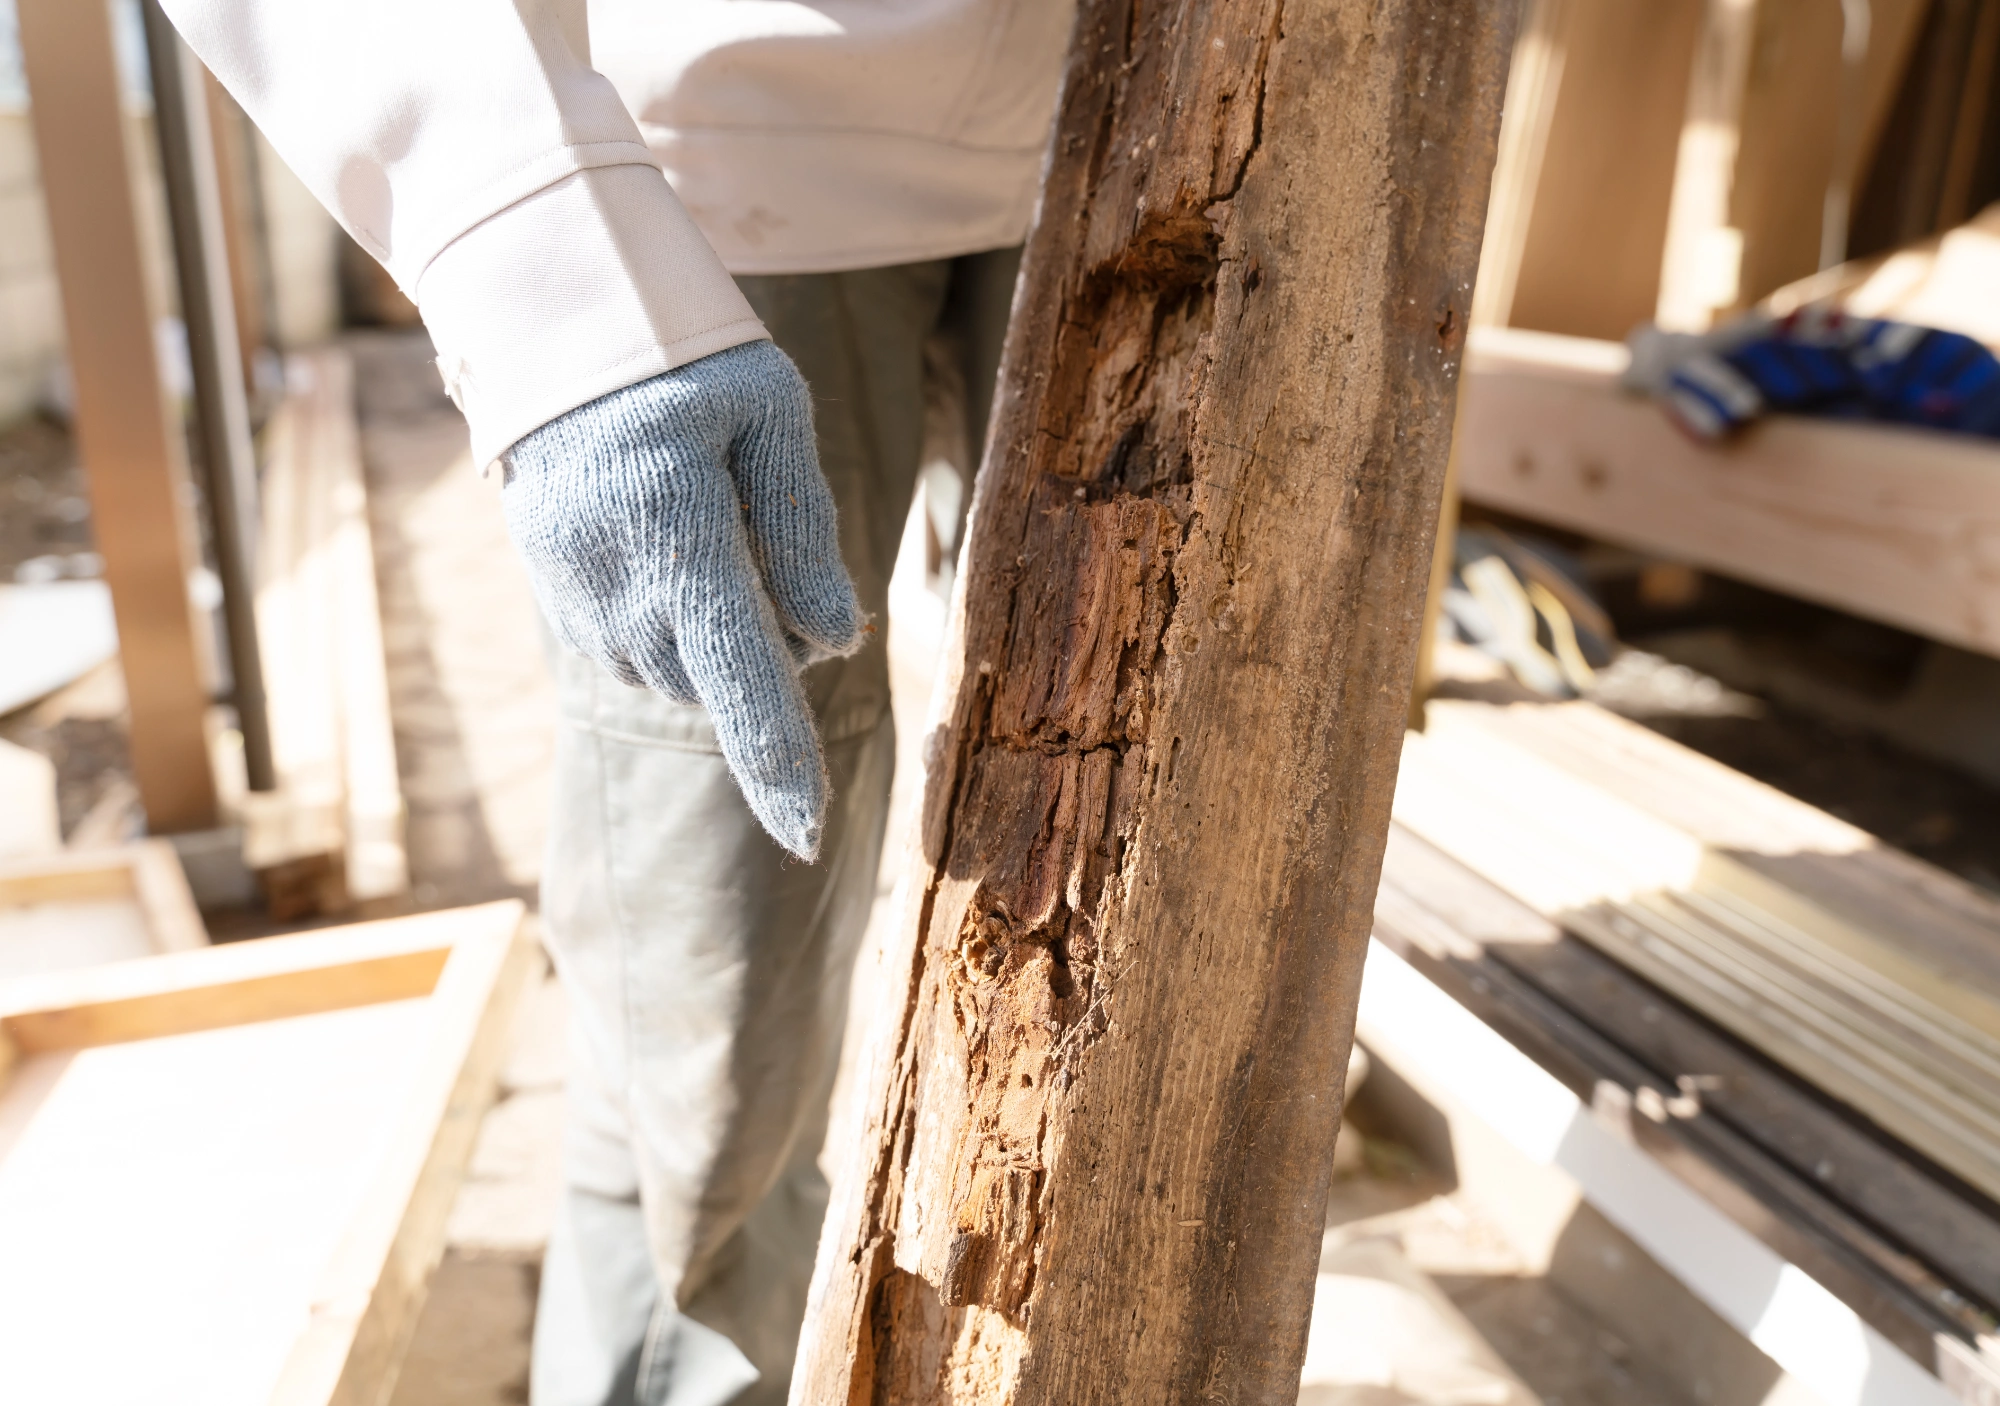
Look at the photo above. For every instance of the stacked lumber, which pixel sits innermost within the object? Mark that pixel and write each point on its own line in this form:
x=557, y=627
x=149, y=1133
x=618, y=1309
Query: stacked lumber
x=1870, y=975
x=1890, y=523
x=331, y=834
x=1905, y=1248
x=243, y=1158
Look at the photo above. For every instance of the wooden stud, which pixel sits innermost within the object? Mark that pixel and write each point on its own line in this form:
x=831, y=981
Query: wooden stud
x=1590, y=259
x=1534, y=82
x=1806, y=125
x=128, y=434
x=1701, y=269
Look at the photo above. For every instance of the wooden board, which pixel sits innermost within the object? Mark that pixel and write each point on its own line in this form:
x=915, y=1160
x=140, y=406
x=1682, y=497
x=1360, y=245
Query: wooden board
x=128, y=434
x=84, y=907
x=331, y=834
x=1590, y=263
x=1898, y=525
x=243, y=1158
x=1909, y=1250
x=1901, y=1031
x=1807, y=123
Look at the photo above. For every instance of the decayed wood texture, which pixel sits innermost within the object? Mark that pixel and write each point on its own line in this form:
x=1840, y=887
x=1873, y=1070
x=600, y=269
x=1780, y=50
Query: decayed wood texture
x=129, y=437
x=1101, y=1111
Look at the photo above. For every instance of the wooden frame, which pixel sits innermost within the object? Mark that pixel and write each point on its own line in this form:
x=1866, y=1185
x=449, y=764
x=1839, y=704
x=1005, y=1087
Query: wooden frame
x=147, y=873
x=347, y=1337
x=1897, y=525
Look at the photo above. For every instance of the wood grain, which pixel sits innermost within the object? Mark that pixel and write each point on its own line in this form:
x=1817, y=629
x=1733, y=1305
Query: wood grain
x=1590, y=264
x=1897, y=525
x=129, y=437
x=319, y=971
x=1101, y=1113
x=1910, y=1250
x=1873, y=1016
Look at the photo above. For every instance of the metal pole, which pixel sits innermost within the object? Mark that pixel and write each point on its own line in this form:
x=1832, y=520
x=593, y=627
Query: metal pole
x=222, y=416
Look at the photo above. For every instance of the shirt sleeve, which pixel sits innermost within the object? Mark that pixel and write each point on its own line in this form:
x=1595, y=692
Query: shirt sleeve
x=469, y=146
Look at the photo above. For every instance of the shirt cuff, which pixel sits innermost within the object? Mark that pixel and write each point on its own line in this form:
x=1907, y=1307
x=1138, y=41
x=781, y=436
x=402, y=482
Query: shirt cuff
x=589, y=285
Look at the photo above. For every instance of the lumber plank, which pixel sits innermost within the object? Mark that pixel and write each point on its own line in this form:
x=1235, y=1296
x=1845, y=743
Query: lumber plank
x=1104, y=1085
x=377, y=864
x=295, y=835
x=128, y=435
x=331, y=834
x=1792, y=859
x=1534, y=85
x=1590, y=263
x=1913, y=1253
x=273, y=1185
x=367, y=1300
x=1915, y=1050
x=1894, y=524
x=1701, y=266
x=1798, y=136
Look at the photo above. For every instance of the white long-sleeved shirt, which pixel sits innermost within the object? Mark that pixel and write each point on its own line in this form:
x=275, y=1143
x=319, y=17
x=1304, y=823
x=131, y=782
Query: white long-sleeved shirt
x=517, y=194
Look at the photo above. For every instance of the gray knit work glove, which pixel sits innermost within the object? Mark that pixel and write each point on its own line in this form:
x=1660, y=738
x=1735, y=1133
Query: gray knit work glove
x=679, y=533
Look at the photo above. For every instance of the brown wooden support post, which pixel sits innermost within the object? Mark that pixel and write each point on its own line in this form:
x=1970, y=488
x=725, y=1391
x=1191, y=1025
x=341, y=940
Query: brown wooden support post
x=1105, y=1081
x=128, y=435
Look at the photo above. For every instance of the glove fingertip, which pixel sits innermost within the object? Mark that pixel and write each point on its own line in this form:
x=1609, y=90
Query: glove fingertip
x=792, y=810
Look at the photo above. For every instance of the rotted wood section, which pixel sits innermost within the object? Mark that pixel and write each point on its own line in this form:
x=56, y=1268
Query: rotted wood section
x=1102, y=1109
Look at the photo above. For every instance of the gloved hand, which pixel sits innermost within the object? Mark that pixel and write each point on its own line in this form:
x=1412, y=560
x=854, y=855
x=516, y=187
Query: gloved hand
x=679, y=533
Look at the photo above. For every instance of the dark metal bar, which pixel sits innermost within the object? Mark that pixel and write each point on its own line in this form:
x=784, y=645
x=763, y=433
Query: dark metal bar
x=222, y=417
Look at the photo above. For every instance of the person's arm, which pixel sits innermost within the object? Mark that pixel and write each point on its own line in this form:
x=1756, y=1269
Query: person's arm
x=470, y=147
x=661, y=477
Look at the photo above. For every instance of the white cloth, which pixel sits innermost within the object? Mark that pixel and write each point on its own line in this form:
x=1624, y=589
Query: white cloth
x=508, y=188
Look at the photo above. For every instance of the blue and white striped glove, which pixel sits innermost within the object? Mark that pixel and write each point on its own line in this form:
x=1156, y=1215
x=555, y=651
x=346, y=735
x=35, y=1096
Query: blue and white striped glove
x=679, y=532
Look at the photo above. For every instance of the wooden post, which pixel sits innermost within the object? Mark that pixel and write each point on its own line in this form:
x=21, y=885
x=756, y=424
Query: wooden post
x=1106, y=1075
x=128, y=435
x=1703, y=264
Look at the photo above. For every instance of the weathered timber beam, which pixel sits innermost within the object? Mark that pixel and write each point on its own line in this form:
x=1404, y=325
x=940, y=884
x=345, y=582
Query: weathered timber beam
x=1101, y=1110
